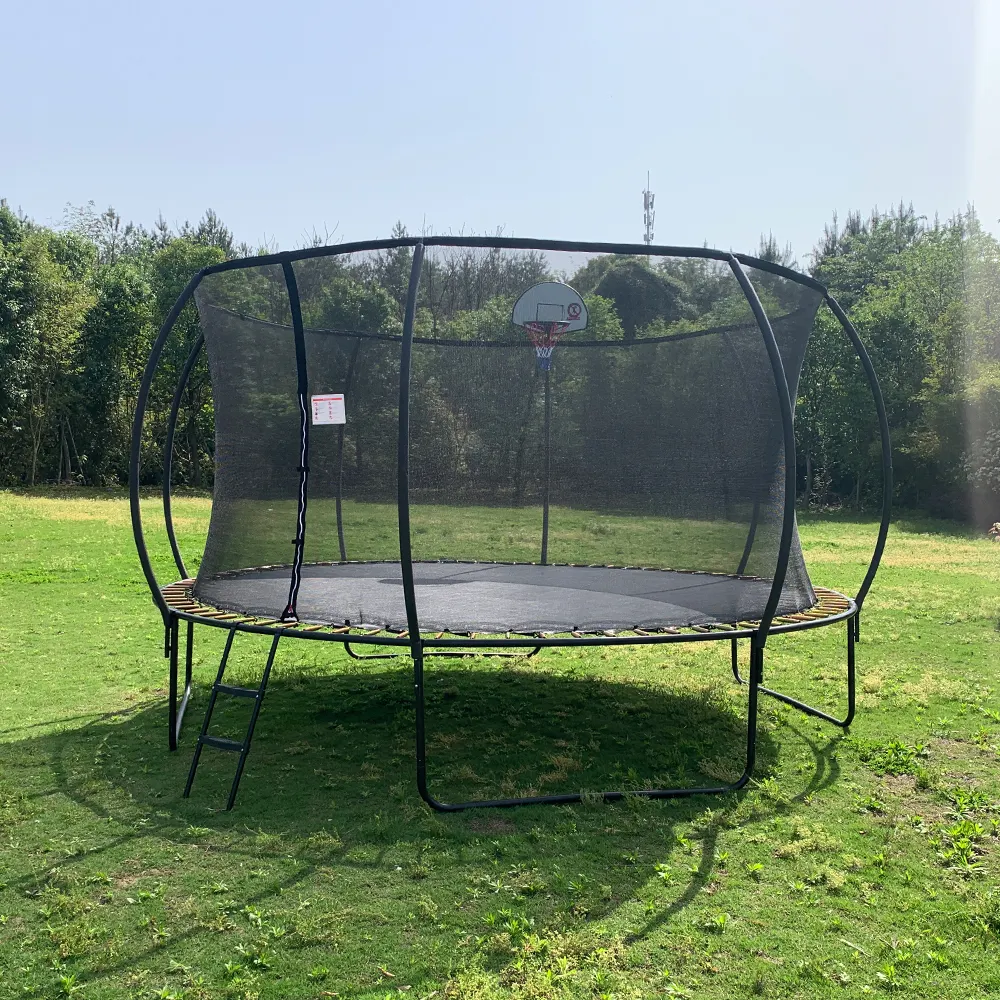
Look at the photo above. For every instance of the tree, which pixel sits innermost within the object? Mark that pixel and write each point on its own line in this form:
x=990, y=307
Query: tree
x=641, y=295
x=114, y=340
x=170, y=269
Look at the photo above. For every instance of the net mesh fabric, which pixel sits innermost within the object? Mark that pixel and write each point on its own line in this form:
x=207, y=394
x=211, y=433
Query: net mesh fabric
x=251, y=357
x=664, y=446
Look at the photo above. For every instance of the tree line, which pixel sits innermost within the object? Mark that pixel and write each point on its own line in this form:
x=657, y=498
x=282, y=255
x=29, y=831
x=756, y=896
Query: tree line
x=81, y=304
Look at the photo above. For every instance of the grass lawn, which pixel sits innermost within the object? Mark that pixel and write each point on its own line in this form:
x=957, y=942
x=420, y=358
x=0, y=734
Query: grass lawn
x=858, y=864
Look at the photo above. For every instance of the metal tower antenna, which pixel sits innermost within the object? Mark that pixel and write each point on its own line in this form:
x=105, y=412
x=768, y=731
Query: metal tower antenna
x=648, y=215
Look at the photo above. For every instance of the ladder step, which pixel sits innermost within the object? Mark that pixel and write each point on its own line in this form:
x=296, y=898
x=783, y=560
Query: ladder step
x=238, y=692
x=221, y=743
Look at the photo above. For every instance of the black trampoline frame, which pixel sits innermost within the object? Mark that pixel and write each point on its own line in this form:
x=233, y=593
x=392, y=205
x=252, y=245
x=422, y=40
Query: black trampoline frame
x=412, y=641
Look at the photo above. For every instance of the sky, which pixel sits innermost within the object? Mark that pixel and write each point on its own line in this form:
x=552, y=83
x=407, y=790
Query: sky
x=537, y=117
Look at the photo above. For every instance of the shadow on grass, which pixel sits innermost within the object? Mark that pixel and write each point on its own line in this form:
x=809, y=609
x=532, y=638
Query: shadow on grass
x=341, y=747
x=328, y=806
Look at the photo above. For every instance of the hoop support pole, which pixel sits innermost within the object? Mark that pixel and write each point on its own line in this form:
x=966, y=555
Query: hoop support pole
x=548, y=468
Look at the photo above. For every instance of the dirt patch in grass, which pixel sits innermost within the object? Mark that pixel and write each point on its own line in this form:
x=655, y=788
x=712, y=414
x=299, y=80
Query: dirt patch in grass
x=137, y=872
x=903, y=787
x=948, y=748
x=493, y=826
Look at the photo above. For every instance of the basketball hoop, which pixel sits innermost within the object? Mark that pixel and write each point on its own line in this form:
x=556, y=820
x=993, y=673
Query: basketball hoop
x=545, y=336
x=545, y=312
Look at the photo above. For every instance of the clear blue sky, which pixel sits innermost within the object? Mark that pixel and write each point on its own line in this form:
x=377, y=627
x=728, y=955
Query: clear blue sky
x=540, y=117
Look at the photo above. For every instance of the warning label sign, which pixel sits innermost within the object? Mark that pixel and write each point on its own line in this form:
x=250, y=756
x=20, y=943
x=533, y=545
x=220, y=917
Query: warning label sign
x=329, y=409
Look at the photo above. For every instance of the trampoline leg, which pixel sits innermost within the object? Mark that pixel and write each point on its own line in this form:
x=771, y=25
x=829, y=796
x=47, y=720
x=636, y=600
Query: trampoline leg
x=417, y=652
x=485, y=656
x=189, y=656
x=370, y=656
x=175, y=711
x=756, y=676
x=172, y=640
x=852, y=632
x=185, y=697
x=735, y=647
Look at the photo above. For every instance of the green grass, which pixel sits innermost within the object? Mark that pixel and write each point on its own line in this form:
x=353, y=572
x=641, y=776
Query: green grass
x=858, y=864
x=259, y=533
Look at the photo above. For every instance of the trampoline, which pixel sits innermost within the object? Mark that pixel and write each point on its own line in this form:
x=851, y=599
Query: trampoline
x=498, y=464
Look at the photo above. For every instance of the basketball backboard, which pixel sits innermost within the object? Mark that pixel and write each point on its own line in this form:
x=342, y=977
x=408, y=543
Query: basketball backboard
x=551, y=302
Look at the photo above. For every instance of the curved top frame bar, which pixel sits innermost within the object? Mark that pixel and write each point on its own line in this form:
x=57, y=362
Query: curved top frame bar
x=511, y=243
x=483, y=242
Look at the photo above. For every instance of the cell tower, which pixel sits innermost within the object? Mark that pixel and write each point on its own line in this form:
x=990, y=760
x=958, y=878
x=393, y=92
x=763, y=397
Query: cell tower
x=648, y=215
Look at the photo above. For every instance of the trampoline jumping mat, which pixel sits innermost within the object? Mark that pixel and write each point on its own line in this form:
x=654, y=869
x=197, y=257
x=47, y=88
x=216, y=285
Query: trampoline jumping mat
x=498, y=597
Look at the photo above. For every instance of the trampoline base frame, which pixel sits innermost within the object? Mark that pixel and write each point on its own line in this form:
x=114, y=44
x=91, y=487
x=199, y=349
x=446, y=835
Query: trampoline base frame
x=442, y=652
x=420, y=650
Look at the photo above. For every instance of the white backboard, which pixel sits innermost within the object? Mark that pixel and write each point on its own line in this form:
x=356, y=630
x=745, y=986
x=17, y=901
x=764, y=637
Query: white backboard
x=551, y=302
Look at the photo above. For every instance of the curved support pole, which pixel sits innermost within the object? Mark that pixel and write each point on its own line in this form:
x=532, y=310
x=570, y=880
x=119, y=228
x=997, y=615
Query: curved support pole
x=302, y=379
x=403, y=452
x=168, y=451
x=136, y=450
x=883, y=426
x=788, y=433
x=403, y=516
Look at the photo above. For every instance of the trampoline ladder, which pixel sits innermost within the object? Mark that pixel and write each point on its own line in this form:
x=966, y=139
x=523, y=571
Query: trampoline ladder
x=220, y=742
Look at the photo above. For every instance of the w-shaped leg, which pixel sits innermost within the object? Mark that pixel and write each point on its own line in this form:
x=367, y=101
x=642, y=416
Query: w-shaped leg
x=852, y=632
x=756, y=673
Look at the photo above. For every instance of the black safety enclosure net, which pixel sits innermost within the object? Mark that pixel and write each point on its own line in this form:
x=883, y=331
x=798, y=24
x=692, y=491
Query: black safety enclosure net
x=632, y=478
x=488, y=446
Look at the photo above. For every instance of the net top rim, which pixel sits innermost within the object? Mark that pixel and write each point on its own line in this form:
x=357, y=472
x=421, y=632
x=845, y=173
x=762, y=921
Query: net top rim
x=513, y=243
